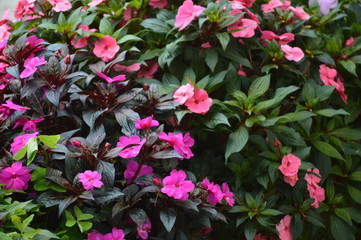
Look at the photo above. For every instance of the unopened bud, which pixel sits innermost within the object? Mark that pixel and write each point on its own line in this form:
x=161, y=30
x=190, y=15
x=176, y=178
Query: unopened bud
x=146, y=87
x=76, y=143
x=206, y=230
x=157, y=181
x=107, y=145
x=276, y=143
x=67, y=59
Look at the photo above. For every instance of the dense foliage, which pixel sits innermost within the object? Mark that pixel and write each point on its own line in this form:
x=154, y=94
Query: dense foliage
x=176, y=119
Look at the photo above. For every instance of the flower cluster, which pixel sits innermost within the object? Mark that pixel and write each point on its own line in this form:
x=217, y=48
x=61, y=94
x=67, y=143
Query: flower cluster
x=196, y=100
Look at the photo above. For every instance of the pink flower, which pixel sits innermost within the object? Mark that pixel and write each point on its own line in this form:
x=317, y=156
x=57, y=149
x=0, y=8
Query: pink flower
x=284, y=228
x=148, y=71
x=94, y=3
x=316, y=192
x=24, y=8
x=215, y=193
x=199, y=102
x=116, y=234
x=4, y=34
x=245, y=27
x=340, y=88
x=241, y=4
x=16, y=177
x=227, y=194
x=350, y=42
x=118, y=78
x=282, y=39
x=259, y=236
x=270, y=6
x=31, y=65
x=144, y=229
x=180, y=144
x=327, y=74
x=206, y=45
x=160, y=4
x=292, y=53
x=5, y=109
x=21, y=141
x=28, y=125
x=60, y=5
x=106, y=48
x=83, y=41
x=241, y=72
x=90, y=180
x=132, y=169
x=186, y=13
x=176, y=186
x=128, y=69
x=132, y=146
x=146, y=123
x=94, y=235
x=183, y=93
x=289, y=168
x=299, y=13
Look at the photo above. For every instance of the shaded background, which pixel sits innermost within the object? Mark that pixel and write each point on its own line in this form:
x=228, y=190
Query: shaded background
x=5, y=4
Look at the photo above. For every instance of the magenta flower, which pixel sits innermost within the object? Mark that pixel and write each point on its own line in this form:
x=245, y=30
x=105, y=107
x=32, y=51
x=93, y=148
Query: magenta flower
x=28, y=125
x=118, y=78
x=5, y=109
x=116, y=234
x=199, y=102
x=60, y=5
x=94, y=235
x=90, y=179
x=146, y=123
x=144, y=229
x=176, y=186
x=183, y=93
x=284, y=228
x=180, y=144
x=132, y=146
x=21, y=141
x=16, y=177
x=186, y=13
x=292, y=53
x=289, y=168
x=214, y=190
x=106, y=48
x=132, y=168
x=227, y=194
x=31, y=65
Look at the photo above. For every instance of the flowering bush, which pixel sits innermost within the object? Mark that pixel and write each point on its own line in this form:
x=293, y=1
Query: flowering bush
x=180, y=120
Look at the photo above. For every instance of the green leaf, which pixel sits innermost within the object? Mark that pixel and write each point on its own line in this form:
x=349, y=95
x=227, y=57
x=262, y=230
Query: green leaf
x=216, y=119
x=128, y=38
x=355, y=176
x=168, y=217
x=49, y=140
x=329, y=112
x=296, y=116
x=32, y=149
x=347, y=133
x=339, y=230
x=223, y=39
x=156, y=25
x=349, y=66
x=258, y=87
x=280, y=94
x=105, y=27
x=211, y=58
x=84, y=226
x=271, y=212
x=354, y=193
x=236, y=141
x=328, y=149
x=70, y=220
x=4, y=236
x=21, y=153
x=343, y=214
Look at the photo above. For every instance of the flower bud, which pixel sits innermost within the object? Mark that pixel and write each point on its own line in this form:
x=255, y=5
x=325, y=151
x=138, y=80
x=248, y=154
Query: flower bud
x=157, y=181
x=145, y=87
x=76, y=143
x=276, y=143
x=67, y=59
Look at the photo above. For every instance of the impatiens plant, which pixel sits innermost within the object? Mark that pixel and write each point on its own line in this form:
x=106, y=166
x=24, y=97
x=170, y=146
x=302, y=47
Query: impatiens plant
x=165, y=119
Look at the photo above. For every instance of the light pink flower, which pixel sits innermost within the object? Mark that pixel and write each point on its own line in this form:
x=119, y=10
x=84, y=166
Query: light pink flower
x=94, y=3
x=60, y=5
x=128, y=69
x=199, y=102
x=31, y=65
x=116, y=234
x=227, y=194
x=16, y=177
x=299, y=13
x=183, y=93
x=160, y=4
x=289, y=168
x=245, y=27
x=20, y=141
x=144, y=229
x=180, y=144
x=176, y=186
x=271, y=5
x=186, y=13
x=206, y=45
x=214, y=190
x=132, y=146
x=282, y=39
x=118, y=78
x=28, y=125
x=312, y=178
x=90, y=179
x=106, y=48
x=350, y=42
x=292, y=53
x=132, y=169
x=148, y=71
x=83, y=41
x=284, y=228
x=241, y=4
x=316, y=192
x=146, y=123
